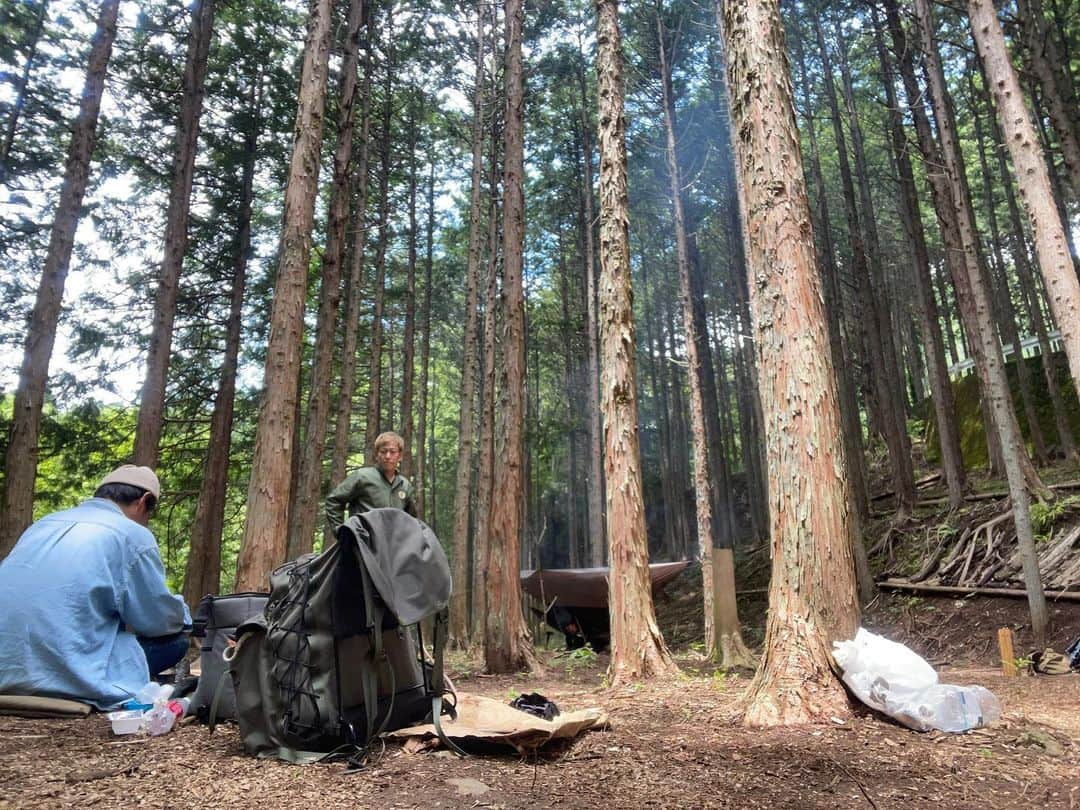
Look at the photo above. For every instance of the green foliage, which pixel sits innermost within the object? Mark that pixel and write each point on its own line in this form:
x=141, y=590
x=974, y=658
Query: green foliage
x=1045, y=515
x=581, y=658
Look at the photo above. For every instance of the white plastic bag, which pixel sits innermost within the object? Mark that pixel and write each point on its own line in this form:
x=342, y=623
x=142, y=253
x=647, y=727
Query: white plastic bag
x=889, y=677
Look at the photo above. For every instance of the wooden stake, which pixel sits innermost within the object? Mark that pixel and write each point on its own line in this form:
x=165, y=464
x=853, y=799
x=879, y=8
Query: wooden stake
x=1008, y=660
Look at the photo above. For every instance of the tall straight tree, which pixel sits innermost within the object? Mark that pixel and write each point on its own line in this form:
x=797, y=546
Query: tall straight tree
x=266, y=527
x=1052, y=72
x=952, y=459
x=971, y=285
x=374, y=402
x=354, y=288
x=723, y=636
x=637, y=646
x=21, y=462
x=152, y=399
x=1062, y=285
x=309, y=481
x=459, y=616
x=812, y=595
x=839, y=338
x=408, y=348
x=595, y=456
x=203, y=571
x=21, y=86
x=882, y=400
x=507, y=646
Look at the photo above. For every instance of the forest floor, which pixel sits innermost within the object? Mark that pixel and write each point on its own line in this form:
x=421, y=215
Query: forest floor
x=672, y=744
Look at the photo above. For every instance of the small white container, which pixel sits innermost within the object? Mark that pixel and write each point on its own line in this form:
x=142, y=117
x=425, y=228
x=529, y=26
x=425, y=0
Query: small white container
x=127, y=722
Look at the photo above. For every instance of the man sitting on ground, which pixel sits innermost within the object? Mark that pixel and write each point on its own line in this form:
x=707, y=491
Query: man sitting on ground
x=85, y=613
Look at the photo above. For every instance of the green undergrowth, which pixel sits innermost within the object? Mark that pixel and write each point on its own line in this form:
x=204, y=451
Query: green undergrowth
x=969, y=412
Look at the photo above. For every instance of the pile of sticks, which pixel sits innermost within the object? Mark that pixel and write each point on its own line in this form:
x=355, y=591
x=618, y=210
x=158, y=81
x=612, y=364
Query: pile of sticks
x=982, y=552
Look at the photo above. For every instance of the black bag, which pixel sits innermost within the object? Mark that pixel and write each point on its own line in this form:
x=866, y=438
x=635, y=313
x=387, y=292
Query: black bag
x=215, y=621
x=332, y=663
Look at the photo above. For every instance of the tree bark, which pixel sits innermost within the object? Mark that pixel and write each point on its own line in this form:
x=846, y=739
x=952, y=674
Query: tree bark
x=882, y=372
x=637, y=646
x=343, y=425
x=812, y=598
x=459, y=603
x=309, y=485
x=1031, y=298
x=21, y=462
x=834, y=308
x=21, y=85
x=952, y=460
x=996, y=384
x=421, y=478
x=1051, y=71
x=152, y=398
x=374, y=403
x=408, y=347
x=507, y=645
x=203, y=572
x=999, y=284
x=1062, y=284
x=266, y=526
x=723, y=642
x=488, y=395
x=595, y=483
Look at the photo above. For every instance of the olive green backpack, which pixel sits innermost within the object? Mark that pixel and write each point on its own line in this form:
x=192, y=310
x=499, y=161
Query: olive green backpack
x=337, y=657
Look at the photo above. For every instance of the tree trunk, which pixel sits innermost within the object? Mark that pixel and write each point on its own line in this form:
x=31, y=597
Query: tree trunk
x=203, y=572
x=487, y=398
x=655, y=354
x=408, y=348
x=421, y=479
x=981, y=330
x=343, y=426
x=21, y=85
x=834, y=308
x=812, y=598
x=879, y=285
x=1048, y=67
x=152, y=399
x=507, y=646
x=723, y=642
x=21, y=462
x=952, y=460
x=266, y=526
x=459, y=603
x=595, y=482
x=637, y=647
x=999, y=284
x=305, y=514
x=884, y=401
x=374, y=403
x=1062, y=285
x=1031, y=299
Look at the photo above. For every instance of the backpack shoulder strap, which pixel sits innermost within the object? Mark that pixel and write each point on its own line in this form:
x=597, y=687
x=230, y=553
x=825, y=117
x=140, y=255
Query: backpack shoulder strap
x=438, y=682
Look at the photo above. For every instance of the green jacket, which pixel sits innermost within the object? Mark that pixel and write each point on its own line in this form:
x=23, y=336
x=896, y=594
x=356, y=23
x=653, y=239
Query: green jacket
x=366, y=489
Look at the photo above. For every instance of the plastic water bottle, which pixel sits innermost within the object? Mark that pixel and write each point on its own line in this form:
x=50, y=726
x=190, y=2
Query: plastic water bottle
x=161, y=719
x=958, y=708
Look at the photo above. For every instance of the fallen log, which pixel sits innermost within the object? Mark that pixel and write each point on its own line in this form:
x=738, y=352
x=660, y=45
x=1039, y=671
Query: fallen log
x=1014, y=593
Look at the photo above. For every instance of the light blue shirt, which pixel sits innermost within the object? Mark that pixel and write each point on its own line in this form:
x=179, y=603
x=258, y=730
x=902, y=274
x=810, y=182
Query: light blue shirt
x=74, y=592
